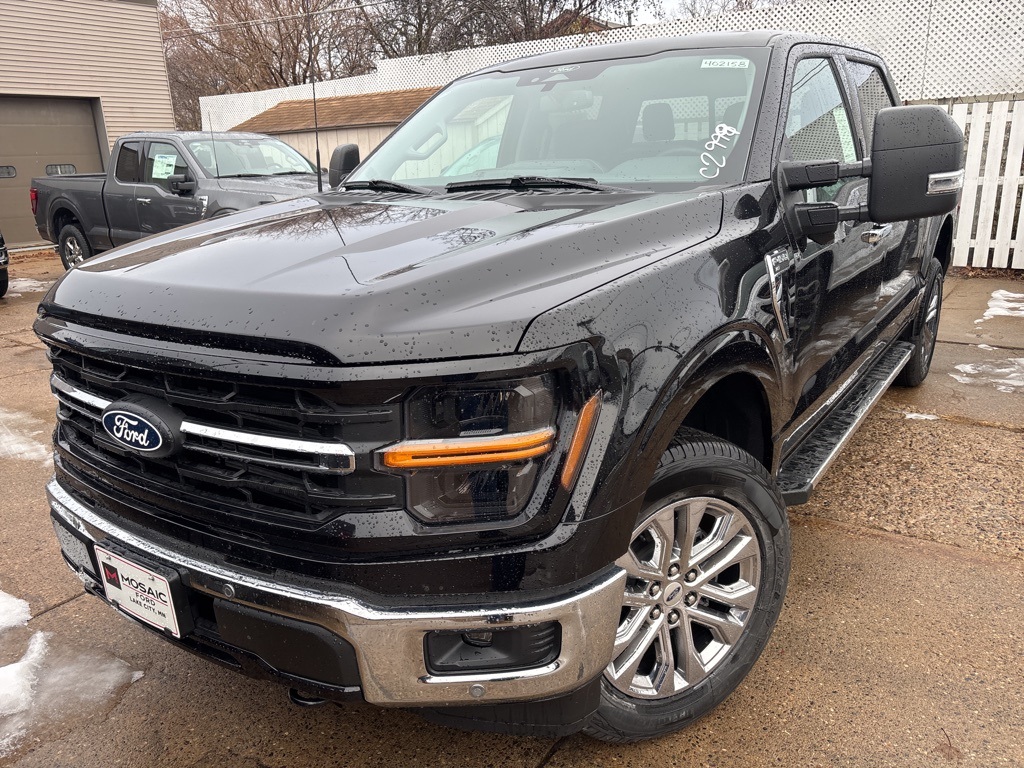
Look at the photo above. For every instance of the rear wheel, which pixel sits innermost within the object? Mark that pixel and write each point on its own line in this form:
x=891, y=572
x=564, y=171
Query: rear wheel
x=926, y=329
x=73, y=246
x=707, y=569
x=4, y=282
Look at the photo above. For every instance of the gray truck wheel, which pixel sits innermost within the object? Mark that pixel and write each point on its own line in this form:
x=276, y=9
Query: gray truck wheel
x=708, y=564
x=73, y=246
x=926, y=329
x=4, y=282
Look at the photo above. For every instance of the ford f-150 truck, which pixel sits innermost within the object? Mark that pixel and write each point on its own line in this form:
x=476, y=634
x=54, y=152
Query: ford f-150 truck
x=511, y=444
x=158, y=181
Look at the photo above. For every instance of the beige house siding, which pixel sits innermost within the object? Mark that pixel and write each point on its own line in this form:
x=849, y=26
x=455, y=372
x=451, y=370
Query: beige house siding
x=366, y=138
x=101, y=49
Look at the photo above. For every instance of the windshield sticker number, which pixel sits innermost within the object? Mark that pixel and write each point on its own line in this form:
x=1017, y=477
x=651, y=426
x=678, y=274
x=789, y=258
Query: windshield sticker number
x=163, y=166
x=725, y=64
x=714, y=159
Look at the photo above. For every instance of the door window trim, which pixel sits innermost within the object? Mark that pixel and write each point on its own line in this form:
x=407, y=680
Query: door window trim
x=834, y=58
x=182, y=153
x=855, y=97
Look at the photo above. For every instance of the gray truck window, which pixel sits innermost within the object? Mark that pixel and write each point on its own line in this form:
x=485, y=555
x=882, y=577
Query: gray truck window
x=818, y=125
x=162, y=162
x=126, y=169
x=872, y=94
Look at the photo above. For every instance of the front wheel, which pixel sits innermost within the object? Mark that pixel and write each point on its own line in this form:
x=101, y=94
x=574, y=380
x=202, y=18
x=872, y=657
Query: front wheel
x=4, y=282
x=73, y=246
x=707, y=570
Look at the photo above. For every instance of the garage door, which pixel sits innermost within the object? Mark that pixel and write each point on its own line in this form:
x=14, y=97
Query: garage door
x=39, y=137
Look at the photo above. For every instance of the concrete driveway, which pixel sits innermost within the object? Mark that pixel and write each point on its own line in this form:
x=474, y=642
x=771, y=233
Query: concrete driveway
x=901, y=642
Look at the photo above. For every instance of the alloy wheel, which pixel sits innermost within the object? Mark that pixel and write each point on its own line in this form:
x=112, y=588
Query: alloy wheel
x=694, y=569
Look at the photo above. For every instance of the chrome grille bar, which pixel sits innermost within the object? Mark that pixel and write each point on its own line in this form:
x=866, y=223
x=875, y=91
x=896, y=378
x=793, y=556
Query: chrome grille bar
x=337, y=458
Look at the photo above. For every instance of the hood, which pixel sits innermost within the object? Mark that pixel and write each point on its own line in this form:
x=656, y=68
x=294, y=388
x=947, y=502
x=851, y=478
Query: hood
x=280, y=186
x=389, y=278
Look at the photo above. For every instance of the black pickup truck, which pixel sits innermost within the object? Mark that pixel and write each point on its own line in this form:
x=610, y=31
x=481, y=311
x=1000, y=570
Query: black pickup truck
x=511, y=445
x=158, y=181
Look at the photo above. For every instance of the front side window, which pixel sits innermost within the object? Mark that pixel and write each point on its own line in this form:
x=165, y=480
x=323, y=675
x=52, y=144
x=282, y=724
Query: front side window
x=818, y=123
x=126, y=169
x=682, y=118
x=872, y=94
x=162, y=162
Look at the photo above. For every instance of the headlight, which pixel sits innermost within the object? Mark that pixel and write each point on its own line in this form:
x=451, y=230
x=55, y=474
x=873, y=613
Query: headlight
x=474, y=451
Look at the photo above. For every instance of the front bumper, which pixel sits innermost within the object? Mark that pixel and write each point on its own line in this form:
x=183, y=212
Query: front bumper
x=389, y=640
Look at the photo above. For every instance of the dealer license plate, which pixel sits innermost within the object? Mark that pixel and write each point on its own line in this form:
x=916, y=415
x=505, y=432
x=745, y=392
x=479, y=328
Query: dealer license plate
x=138, y=591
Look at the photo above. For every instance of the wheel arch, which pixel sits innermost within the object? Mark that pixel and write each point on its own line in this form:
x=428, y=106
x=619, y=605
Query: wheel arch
x=736, y=362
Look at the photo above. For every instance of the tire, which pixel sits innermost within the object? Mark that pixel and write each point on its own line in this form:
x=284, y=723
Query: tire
x=4, y=282
x=926, y=328
x=719, y=503
x=73, y=246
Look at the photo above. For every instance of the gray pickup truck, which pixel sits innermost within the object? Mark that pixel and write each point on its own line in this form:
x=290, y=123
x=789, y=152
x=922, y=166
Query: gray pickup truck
x=158, y=181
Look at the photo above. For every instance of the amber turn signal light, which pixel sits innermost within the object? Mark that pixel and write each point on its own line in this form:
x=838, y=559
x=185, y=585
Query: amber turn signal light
x=581, y=440
x=463, y=451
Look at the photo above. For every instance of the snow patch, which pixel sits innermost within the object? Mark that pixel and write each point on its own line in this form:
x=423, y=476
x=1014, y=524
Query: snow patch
x=986, y=347
x=18, y=680
x=22, y=437
x=50, y=683
x=920, y=416
x=1005, y=376
x=1004, y=304
x=14, y=612
x=21, y=285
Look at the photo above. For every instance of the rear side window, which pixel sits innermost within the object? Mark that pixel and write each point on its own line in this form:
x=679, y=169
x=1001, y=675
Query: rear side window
x=127, y=167
x=162, y=162
x=872, y=94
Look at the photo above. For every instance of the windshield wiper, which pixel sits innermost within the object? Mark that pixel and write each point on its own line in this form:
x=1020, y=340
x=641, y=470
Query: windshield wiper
x=386, y=185
x=532, y=182
x=294, y=173
x=242, y=176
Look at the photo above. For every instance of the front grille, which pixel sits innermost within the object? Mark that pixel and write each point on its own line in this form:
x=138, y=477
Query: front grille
x=259, y=456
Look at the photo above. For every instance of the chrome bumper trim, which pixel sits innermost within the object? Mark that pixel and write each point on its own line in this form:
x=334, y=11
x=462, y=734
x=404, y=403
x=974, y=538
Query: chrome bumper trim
x=389, y=641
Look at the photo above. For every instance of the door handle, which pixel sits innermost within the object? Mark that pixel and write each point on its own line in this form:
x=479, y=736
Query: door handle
x=143, y=200
x=874, y=236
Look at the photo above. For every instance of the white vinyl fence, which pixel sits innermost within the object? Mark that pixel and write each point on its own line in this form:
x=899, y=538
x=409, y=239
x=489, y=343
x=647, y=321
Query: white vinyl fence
x=990, y=227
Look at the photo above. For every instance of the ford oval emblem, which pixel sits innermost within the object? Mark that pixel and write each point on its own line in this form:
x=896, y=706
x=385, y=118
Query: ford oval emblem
x=132, y=431
x=145, y=424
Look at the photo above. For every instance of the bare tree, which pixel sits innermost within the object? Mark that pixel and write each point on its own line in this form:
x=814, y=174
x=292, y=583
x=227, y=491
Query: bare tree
x=699, y=8
x=226, y=46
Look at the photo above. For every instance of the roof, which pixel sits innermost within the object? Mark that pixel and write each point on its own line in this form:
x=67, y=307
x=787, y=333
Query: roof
x=650, y=46
x=193, y=135
x=388, y=108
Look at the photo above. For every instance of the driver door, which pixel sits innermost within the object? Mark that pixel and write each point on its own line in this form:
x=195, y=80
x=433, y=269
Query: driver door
x=159, y=208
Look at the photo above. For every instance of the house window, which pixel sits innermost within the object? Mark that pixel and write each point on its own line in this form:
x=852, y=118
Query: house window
x=7, y=172
x=61, y=169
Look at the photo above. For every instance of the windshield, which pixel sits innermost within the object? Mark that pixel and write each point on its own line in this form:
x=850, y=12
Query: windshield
x=679, y=118
x=224, y=158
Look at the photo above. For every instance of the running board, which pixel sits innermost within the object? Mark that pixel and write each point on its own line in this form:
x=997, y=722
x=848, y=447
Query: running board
x=804, y=468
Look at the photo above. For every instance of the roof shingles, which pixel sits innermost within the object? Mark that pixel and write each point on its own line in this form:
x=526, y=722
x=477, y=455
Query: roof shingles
x=388, y=108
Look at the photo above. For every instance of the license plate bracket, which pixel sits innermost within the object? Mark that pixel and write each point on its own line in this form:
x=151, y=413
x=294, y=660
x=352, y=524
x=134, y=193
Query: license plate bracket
x=146, y=591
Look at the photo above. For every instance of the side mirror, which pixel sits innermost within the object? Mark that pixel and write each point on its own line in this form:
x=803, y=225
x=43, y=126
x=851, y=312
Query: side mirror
x=344, y=159
x=180, y=184
x=917, y=160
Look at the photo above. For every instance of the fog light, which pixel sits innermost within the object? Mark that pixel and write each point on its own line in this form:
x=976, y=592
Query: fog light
x=511, y=648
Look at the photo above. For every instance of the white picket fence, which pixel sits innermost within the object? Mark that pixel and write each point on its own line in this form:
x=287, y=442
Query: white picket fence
x=990, y=225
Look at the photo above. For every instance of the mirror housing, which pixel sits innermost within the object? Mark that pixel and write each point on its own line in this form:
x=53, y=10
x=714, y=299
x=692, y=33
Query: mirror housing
x=917, y=160
x=344, y=159
x=180, y=184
